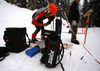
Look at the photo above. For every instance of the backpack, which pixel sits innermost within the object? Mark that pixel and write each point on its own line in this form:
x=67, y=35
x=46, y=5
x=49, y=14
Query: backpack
x=15, y=39
x=3, y=53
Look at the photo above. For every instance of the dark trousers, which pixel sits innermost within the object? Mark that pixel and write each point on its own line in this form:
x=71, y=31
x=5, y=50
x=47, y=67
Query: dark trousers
x=74, y=32
x=38, y=28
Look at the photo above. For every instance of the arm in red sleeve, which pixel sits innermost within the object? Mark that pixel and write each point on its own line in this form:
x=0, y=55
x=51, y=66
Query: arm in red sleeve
x=36, y=23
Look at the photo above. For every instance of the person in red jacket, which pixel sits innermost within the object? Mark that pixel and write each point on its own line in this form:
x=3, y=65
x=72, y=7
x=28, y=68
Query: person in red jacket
x=38, y=17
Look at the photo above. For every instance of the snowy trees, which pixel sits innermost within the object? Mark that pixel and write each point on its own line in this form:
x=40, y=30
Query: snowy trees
x=95, y=5
x=95, y=16
x=30, y=4
x=36, y=4
x=85, y=6
x=20, y=3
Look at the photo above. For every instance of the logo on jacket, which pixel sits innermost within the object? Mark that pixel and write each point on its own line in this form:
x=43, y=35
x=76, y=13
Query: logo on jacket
x=51, y=55
x=36, y=17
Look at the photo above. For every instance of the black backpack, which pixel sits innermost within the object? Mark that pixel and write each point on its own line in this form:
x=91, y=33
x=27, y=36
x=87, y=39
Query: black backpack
x=15, y=39
x=3, y=53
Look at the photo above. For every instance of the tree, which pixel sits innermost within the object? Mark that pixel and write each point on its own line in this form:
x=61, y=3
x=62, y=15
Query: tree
x=36, y=4
x=11, y=1
x=85, y=9
x=95, y=5
x=85, y=6
x=95, y=15
x=21, y=3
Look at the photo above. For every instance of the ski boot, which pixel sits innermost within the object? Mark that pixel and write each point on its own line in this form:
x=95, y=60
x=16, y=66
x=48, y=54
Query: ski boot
x=75, y=41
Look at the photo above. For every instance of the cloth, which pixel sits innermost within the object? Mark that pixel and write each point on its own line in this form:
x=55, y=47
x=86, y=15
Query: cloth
x=74, y=12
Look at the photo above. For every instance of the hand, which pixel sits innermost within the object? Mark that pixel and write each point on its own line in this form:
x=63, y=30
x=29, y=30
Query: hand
x=44, y=24
x=74, y=23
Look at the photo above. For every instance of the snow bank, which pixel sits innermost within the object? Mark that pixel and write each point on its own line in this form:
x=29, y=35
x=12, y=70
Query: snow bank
x=13, y=16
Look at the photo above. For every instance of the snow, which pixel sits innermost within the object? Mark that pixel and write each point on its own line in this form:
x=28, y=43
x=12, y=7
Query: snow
x=13, y=16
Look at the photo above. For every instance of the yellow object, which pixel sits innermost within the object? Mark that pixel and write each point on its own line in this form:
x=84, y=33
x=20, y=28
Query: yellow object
x=47, y=33
x=56, y=17
x=88, y=15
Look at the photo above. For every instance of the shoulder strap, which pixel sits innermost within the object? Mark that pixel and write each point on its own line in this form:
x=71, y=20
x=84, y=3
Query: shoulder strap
x=61, y=51
x=28, y=40
x=2, y=58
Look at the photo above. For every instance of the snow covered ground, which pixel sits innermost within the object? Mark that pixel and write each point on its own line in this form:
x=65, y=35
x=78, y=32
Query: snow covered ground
x=12, y=16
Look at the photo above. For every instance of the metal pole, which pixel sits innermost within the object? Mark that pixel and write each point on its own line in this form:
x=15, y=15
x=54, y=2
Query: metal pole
x=61, y=19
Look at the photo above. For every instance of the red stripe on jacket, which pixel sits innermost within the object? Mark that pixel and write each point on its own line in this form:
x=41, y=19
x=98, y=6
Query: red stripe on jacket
x=40, y=15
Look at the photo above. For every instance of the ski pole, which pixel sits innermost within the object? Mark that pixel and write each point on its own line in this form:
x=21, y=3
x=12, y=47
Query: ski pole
x=83, y=56
x=61, y=19
x=60, y=25
x=70, y=53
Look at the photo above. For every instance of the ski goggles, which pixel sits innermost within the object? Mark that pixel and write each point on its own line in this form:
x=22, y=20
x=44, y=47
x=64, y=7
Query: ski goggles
x=50, y=13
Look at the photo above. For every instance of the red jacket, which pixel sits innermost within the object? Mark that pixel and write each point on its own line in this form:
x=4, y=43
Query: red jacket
x=39, y=16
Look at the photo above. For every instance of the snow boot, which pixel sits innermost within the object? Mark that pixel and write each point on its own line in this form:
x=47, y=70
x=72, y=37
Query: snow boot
x=75, y=41
x=70, y=31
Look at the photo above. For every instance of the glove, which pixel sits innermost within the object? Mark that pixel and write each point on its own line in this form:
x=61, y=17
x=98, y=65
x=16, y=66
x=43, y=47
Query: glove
x=45, y=24
x=74, y=23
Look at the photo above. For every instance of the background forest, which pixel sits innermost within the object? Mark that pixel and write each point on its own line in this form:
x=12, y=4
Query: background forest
x=87, y=4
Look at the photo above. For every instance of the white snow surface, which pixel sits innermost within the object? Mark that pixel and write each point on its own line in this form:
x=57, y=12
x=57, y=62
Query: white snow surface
x=13, y=16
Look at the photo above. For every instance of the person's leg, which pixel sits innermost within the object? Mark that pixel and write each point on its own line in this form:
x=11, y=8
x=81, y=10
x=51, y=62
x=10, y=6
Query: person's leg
x=73, y=38
x=35, y=33
x=42, y=31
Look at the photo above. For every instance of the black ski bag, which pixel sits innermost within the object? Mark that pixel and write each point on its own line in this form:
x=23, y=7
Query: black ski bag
x=52, y=52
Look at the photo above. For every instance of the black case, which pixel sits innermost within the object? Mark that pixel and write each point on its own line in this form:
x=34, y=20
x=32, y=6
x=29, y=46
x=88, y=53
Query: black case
x=50, y=52
x=3, y=53
x=54, y=50
x=15, y=39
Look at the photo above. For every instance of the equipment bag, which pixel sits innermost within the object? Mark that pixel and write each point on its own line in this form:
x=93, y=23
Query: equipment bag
x=15, y=39
x=3, y=53
x=52, y=51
